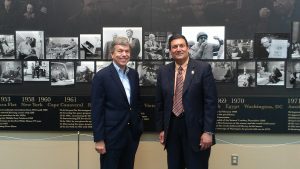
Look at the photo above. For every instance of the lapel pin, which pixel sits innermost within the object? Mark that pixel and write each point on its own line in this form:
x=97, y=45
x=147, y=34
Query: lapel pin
x=192, y=72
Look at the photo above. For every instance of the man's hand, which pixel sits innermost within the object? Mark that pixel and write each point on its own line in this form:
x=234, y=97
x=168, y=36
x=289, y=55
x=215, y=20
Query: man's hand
x=205, y=141
x=216, y=37
x=162, y=137
x=202, y=45
x=100, y=147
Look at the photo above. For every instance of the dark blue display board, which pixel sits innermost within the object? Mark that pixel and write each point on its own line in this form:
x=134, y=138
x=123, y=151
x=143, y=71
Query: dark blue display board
x=66, y=113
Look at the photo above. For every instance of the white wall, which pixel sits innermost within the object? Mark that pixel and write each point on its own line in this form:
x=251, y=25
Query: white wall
x=59, y=151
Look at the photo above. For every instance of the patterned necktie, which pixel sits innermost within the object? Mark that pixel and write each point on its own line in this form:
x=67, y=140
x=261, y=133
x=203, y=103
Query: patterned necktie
x=177, y=102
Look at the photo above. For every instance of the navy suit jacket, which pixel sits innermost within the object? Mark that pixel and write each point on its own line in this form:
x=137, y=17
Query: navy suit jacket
x=199, y=100
x=112, y=115
x=135, y=48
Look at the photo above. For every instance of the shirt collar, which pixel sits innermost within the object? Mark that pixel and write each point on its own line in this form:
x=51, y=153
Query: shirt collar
x=119, y=69
x=184, y=65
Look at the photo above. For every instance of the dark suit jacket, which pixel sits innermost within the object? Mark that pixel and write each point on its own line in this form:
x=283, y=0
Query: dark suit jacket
x=199, y=100
x=111, y=111
x=135, y=48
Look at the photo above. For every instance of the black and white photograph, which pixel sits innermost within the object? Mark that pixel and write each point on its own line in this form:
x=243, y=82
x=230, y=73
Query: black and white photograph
x=30, y=45
x=131, y=64
x=85, y=71
x=10, y=72
x=270, y=73
x=62, y=48
x=239, y=49
x=242, y=18
x=246, y=74
x=224, y=71
x=102, y=64
x=62, y=73
x=134, y=35
x=295, y=48
x=90, y=46
x=205, y=42
x=36, y=70
x=293, y=74
x=154, y=45
x=166, y=52
x=24, y=15
x=7, y=47
x=275, y=45
x=147, y=72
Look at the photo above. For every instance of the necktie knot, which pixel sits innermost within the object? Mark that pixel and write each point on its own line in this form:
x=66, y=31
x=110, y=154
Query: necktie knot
x=180, y=69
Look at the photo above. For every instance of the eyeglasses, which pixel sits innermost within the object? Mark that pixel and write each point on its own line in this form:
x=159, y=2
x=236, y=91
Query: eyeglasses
x=202, y=37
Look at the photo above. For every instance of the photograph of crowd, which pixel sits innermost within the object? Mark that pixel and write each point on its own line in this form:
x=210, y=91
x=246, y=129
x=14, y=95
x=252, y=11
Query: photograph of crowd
x=30, y=45
x=90, y=46
x=205, y=42
x=36, y=70
x=270, y=73
x=62, y=48
x=246, y=73
x=10, y=72
x=7, y=47
x=62, y=73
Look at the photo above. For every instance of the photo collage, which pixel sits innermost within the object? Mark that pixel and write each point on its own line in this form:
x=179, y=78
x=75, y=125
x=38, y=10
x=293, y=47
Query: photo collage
x=269, y=59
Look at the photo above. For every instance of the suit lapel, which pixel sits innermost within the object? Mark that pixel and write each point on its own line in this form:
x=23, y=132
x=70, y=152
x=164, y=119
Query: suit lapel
x=117, y=79
x=171, y=76
x=189, y=75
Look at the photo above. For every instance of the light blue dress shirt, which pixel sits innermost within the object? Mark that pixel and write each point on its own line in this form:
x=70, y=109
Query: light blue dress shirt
x=124, y=79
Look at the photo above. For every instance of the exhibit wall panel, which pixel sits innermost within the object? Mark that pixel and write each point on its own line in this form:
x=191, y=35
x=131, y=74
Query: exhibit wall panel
x=246, y=22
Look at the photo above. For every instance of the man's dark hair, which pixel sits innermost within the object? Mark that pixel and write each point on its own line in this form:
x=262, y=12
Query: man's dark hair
x=177, y=36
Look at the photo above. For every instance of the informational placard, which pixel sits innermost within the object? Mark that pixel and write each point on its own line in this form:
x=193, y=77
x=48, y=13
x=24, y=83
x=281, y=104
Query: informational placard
x=56, y=113
x=73, y=113
x=53, y=113
x=258, y=115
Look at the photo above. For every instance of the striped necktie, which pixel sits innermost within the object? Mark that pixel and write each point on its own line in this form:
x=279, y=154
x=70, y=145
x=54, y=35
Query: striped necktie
x=177, y=102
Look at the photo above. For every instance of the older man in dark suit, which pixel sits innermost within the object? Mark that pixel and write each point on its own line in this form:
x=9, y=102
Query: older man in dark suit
x=186, y=103
x=117, y=123
x=135, y=44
